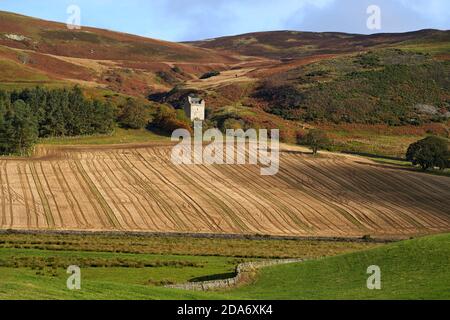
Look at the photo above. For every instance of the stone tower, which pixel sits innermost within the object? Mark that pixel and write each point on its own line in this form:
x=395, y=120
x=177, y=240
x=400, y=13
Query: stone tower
x=195, y=108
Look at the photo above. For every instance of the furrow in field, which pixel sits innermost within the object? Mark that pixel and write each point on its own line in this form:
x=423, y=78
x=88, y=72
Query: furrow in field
x=123, y=183
x=244, y=175
x=423, y=201
x=36, y=209
x=360, y=200
x=102, y=210
x=140, y=189
x=364, y=181
x=50, y=191
x=65, y=207
x=16, y=198
x=355, y=197
x=9, y=196
x=149, y=186
x=103, y=194
x=397, y=206
x=49, y=222
x=343, y=196
x=150, y=208
x=66, y=202
x=383, y=191
x=113, y=196
x=330, y=213
x=387, y=188
x=26, y=194
x=219, y=198
x=263, y=212
x=220, y=222
x=89, y=208
x=279, y=209
x=229, y=222
x=243, y=207
x=189, y=202
x=3, y=190
x=67, y=189
x=175, y=204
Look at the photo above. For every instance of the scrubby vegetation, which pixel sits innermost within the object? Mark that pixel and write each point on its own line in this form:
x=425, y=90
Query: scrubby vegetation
x=166, y=120
x=210, y=74
x=316, y=139
x=168, y=77
x=283, y=98
x=391, y=87
x=31, y=113
x=63, y=262
x=148, y=245
x=133, y=115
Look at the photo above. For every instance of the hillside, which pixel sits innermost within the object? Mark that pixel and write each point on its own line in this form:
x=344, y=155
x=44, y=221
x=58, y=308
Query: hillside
x=41, y=52
x=283, y=79
x=414, y=269
x=89, y=43
x=391, y=86
x=386, y=86
x=296, y=44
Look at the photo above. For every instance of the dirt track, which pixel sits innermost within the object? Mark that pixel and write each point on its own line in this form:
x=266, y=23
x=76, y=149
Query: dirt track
x=137, y=188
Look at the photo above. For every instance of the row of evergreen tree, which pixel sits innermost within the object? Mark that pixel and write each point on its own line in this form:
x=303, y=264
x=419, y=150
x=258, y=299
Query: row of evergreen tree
x=29, y=114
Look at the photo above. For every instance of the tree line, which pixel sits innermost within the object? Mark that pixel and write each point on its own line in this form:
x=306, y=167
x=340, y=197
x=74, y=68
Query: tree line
x=29, y=114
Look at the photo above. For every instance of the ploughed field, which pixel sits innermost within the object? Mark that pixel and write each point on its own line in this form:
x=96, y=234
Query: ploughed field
x=137, y=188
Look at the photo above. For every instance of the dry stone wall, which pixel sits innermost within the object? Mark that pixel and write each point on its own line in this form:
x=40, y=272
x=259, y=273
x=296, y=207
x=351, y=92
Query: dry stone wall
x=242, y=270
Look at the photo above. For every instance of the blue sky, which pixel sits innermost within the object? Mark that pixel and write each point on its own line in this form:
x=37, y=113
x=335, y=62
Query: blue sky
x=178, y=20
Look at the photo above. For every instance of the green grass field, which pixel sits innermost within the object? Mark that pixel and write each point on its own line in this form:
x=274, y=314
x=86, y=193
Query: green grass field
x=31, y=274
x=119, y=136
x=239, y=248
x=413, y=269
x=409, y=166
x=33, y=267
x=373, y=143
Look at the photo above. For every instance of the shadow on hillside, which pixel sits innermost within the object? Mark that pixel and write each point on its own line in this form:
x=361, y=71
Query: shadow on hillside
x=213, y=277
x=371, y=155
x=309, y=153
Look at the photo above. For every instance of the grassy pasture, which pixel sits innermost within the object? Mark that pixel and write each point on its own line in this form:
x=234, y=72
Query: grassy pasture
x=412, y=269
x=31, y=274
x=12, y=72
x=366, y=142
x=180, y=245
x=119, y=136
x=132, y=267
x=380, y=140
x=410, y=166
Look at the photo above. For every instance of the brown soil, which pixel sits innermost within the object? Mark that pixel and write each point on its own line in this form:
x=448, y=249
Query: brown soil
x=137, y=188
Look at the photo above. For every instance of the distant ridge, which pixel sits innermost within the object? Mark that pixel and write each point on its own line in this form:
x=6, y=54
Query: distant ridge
x=298, y=44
